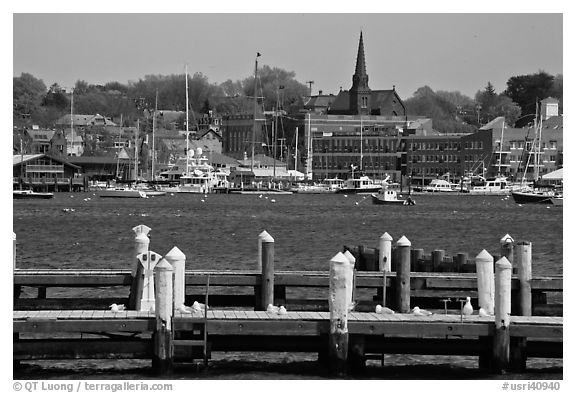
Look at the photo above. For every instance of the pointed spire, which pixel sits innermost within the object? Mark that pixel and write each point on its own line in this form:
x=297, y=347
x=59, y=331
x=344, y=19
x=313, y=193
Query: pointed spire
x=360, y=60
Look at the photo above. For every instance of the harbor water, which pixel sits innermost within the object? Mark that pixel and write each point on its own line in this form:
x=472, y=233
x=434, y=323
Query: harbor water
x=219, y=231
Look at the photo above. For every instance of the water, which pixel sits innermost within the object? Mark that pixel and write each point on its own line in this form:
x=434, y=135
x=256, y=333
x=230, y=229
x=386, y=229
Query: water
x=220, y=232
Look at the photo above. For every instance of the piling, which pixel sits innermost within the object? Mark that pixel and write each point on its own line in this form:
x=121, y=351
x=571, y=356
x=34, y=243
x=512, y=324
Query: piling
x=351, y=286
x=523, y=253
x=340, y=273
x=523, y=257
x=507, y=247
x=485, y=278
x=461, y=260
x=403, y=275
x=416, y=255
x=141, y=243
x=162, y=359
x=385, y=254
x=177, y=260
x=261, y=236
x=437, y=259
x=502, y=310
x=145, y=300
x=267, y=286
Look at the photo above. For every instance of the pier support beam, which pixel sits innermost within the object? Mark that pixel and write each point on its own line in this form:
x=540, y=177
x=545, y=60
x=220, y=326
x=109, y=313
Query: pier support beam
x=162, y=360
x=485, y=277
x=502, y=310
x=177, y=260
x=523, y=256
x=267, y=286
x=141, y=243
x=403, y=275
x=340, y=273
x=385, y=254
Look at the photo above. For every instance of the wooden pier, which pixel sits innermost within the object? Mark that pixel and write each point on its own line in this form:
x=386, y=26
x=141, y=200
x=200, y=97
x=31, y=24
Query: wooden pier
x=518, y=321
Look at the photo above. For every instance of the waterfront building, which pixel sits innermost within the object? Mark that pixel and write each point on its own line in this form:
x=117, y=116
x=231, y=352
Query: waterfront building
x=39, y=171
x=240, y=131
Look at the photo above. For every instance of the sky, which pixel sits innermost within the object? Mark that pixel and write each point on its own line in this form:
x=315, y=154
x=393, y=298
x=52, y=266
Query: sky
x=451, y=52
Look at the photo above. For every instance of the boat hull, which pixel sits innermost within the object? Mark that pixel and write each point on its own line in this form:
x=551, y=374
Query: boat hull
x=32, y=195
x=122, y=194
x=367, y=190
x=530, y=197
x=558, y=201
x=382, y=201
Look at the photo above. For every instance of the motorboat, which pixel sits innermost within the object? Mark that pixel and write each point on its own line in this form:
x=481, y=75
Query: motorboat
x=122, y=192
x=530, y=195
x=327, y=186
x=390, y=197
x=30, y=194
x=440, y=185
x=359, y=185
x=495, y=186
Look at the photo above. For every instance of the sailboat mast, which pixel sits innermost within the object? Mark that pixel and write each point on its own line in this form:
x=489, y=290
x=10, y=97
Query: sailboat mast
x=187, y=130
x=501, y=145
x=136, y=151
x=537, y=134
x=118, y=153
x=361, y=152
x=255, y=108
x=72, y=122
x=296, y=152
x=153, y=129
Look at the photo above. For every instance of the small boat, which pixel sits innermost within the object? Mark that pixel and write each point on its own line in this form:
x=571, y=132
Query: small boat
x=390, y=197
x=495, y=186
x=29, y=194
x=122, y=192
x=328, y=186
x=360, y=185
x=440, y=185
x=532, y=196
x=558, y=201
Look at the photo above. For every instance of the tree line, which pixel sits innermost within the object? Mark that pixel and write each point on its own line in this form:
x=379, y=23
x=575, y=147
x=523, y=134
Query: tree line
x=34, y=103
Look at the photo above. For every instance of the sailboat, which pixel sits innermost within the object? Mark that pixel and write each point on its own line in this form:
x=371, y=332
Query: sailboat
x=531, y=194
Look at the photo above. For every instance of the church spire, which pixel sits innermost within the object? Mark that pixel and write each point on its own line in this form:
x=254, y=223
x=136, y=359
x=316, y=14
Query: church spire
x=360, y=78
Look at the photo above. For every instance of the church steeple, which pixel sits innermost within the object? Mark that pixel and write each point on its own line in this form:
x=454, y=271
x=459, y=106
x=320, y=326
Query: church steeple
x=360, y=93
x=360, y=78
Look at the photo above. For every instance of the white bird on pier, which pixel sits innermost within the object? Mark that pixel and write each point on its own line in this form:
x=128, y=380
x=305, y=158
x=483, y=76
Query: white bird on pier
x=352, y=306
x=483, y=313
x=383, y=310
x=420, y=312
x=198, y=306
x=273, y=200
x=272, y=308
x=117, y=307
x=467, y=309
x=185, y=309
x=282, y=310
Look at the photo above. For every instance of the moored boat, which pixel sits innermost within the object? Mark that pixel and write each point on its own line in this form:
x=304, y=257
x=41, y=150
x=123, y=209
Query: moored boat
x=532, y=196
x=122, y=192
x=29, y=194
x=440, y=185
x=390, y=197
x=495, y=186
x=558, y=201
x=360, y=185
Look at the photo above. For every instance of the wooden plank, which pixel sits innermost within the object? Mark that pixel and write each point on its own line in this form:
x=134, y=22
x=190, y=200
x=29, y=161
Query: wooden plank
x=218, y=314
x=229, y=314
x=537, y=331
x=74, y=349
x=82, y=325
x=271, y=327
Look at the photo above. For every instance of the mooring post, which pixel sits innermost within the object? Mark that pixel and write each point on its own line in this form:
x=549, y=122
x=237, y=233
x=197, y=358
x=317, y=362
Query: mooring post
x=177, y=260
x=461, y=259
x=502, y=310
x=163, y=335
x=403, y=275
x=338, y=304
x=485, y=279
x=437, y=259
x=351, y=286
x=523, y=257
x=267, y=281
x=416, y=255
x=141, y=243
x=385, y=257
x=258, y=288
x=145, y=298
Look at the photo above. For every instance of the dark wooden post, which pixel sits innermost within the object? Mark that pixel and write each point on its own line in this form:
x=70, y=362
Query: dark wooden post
x=415, y=256
x=507, y=248
x=338, y=304
x=267, y=280
x=163, y=335
x=437, y=259
x=502, y=309
x=461, y=260
x=403, y=275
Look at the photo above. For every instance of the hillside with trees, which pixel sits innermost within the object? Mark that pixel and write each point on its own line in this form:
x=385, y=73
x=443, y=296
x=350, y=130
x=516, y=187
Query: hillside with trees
x=35, y=103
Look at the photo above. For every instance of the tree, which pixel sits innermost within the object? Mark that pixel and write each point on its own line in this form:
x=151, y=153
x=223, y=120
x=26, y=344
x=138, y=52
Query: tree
x=525, y=90
x=56, y=98
x=27, y=94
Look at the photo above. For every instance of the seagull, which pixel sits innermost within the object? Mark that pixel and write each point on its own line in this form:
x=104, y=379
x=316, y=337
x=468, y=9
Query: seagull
x=383, y=310
x=198, y=306
x=352, y=305
x=345, y=196
x=117, y=307
x=184, y=309
x=420, y=312
x=467, y=309
x=483, y=313
x=202, y=200
x=282, y=310
x=272, y=308
x=260, y=196
x=273, y=200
